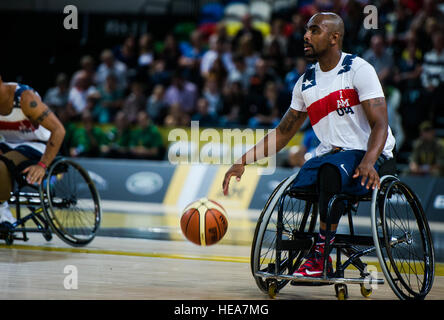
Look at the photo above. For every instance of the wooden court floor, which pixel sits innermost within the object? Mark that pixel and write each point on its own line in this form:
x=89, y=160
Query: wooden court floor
x=123, y=268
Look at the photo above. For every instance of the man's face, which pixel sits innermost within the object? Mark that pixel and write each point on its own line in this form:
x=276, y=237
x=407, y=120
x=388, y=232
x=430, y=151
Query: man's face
x=316, y=38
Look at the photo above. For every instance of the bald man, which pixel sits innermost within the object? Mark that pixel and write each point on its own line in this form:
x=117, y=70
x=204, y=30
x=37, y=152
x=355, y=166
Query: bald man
x=344, y=100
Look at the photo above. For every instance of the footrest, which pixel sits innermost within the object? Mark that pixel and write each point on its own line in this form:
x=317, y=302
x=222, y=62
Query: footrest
x=267, y=275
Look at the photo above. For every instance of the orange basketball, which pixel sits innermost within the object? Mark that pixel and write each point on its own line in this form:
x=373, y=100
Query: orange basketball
x=204, y=222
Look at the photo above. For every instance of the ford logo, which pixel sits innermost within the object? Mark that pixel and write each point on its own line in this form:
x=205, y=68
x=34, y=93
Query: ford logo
x=144, y=183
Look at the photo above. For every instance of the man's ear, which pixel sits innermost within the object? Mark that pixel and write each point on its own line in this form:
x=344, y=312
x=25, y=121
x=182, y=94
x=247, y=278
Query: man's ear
x=335, y=37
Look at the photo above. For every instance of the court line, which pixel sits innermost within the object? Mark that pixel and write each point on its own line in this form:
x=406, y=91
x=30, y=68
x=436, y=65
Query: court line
x=129, y=253
x=439, y=267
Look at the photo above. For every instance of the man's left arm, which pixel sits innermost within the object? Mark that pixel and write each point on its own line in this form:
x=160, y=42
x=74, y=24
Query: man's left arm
x=376, y=112
x=39, y=113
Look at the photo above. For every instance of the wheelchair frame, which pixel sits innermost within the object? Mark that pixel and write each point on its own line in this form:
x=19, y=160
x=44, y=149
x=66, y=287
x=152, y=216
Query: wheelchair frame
x=39, y=204
x=345, y=244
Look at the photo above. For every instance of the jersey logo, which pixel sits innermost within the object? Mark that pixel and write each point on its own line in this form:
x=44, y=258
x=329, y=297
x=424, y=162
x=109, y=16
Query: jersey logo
x=346, y=63
x=309, y=79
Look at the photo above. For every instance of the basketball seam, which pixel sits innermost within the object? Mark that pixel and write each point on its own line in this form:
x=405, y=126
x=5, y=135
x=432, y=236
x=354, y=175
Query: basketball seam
x=189, y=219
x=217, y=224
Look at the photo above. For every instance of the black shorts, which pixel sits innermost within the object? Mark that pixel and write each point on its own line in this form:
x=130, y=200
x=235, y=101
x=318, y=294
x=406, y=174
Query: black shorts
x=27, y=151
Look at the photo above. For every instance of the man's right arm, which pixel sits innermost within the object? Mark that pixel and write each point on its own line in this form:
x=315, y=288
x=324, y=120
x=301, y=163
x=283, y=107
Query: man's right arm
x=271, y=144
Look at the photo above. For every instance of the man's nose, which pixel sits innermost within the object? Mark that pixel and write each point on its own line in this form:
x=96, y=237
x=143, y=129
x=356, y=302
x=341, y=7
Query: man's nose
x=306, y=36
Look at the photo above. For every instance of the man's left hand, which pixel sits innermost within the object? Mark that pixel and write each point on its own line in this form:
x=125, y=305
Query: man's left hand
x=35, y=174
x=368, y=173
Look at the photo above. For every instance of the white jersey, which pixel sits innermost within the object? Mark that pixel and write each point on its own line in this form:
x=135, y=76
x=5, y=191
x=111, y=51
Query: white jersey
x=17, y=129
x=333, y=102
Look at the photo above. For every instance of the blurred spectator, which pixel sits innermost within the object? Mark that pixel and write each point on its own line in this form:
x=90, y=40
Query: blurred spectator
x=262, y=75
x=293, y=76
x=57, y=97
x=87, y=66
x=393, y=98
x=88, y=139
x=158, y=74
x=217, y=50
x=427, y=19
x=433, y=77
x=277, y=34
x=146, y=50
x=77, y=97
x=240, y=73
x=110, y=101
x=212, y=94
x=295, y=46
x=246, y=50
x=233, y=102
x=135, y=102
x=181, y=92
x=176, y=117
x=275, y=58
x=126, y=52
x=118, y=138
x=204, y=116
x=428, y=153
x=155, y=105
x=170, y=52
x=380, y=57
x=407, y=80
x=111, y=65
x=193, y=51
x=146, y=141
x=247, y=28
x=268, y=115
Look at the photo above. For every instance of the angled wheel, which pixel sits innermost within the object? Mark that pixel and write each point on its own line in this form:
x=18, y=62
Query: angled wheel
x=402, y=239
x=71, y=203
x=296, y=216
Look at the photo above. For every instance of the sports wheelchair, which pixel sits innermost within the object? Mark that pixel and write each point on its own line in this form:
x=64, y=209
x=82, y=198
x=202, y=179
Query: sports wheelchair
x=400, y=238
x=65, y=203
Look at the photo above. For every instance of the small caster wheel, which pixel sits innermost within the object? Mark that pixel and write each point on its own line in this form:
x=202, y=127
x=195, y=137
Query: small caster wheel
x=47, y=235
x=272, y=289
x=366, y=292
x=9, y=239
x=341, y=291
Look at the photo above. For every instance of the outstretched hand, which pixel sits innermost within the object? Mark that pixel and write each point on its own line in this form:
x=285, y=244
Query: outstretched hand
x=236, y=170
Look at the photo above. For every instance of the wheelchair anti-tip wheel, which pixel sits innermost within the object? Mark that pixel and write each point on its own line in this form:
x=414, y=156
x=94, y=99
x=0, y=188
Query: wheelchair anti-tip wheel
x=403, y=240
x=297, y=215
x=71, y=203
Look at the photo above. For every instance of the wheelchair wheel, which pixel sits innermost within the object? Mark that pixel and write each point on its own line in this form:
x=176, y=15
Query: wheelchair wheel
x=71, y=203
x=297, y=215
x=402, y=239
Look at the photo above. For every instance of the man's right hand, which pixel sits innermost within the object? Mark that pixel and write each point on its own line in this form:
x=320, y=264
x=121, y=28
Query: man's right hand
x=236, y=170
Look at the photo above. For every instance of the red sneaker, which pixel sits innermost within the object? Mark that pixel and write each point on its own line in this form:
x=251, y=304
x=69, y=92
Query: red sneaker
x=314, y=266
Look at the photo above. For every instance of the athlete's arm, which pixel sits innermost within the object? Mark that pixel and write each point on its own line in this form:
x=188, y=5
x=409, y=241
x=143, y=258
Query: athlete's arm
x=271, y=144
x=40, y=114
x=376, y=112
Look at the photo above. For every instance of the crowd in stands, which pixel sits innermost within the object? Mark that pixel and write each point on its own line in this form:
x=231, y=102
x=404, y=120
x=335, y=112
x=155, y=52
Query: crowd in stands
x=245, y=79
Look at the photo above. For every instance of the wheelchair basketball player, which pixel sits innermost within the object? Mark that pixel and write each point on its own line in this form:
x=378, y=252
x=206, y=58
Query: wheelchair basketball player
x=344, y=101
x=29, y=130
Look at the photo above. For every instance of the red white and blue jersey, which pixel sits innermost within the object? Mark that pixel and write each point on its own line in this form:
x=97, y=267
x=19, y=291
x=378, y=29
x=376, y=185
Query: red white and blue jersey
x=17, y=129
x=333, y=102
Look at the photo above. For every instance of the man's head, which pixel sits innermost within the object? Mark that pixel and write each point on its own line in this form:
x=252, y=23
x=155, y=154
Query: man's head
x=377, y=44
x=427, y=131
x=324, y=32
